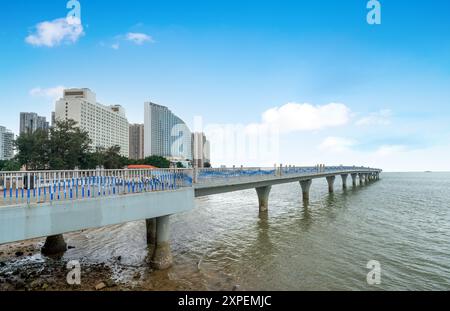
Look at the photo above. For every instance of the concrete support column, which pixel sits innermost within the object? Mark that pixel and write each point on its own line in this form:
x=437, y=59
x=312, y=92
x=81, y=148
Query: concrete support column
x=306, y=185
x=344, y=180
x=330, y=180
x=263, y=197
x=354, y=177
x=151, y=234
x=162, y=256
x=361, y=179
x=367, y=178
x=54, y=245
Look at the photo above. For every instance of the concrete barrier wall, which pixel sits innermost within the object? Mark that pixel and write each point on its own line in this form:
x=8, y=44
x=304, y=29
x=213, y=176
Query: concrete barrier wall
x=25, y=222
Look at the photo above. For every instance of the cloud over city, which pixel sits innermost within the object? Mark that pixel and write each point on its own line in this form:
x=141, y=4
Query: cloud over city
x=52, y=93
x=56, y=32
x=337, y=144
x=139, y=38
x=383, y=117
x=306, y=117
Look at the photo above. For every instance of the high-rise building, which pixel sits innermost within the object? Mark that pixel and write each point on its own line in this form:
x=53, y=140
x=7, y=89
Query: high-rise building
x=207, y=152
x=6, y=144
x=136, y=141
x=165, y=134
x=107, y=126
x=200, y=149
x=30, y=122
x=53, y=123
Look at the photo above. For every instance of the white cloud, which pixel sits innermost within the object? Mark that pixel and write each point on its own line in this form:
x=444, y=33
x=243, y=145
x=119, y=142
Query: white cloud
x=389, y=150
x=56, y=32
x=115, y=46
x=53, y=93
x=138, y=38
x=306, y=117
x=336, y=144
x=383, y=117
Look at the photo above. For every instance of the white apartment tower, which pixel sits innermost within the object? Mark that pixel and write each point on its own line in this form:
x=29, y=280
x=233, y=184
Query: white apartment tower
x=107, y=125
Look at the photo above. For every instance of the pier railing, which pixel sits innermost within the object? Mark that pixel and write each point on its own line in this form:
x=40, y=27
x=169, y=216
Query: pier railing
x=47, y=186
x=218, y=175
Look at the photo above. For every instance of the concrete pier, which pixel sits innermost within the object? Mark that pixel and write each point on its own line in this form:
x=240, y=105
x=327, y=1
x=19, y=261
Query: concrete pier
x=151, y=234
x=54, y=245
x=330, y=180
x=354, y=179
x=306, y=185
x=344, y=180
x=263, y=197
x=32, y=216
x=162, y=256
x=367, y=178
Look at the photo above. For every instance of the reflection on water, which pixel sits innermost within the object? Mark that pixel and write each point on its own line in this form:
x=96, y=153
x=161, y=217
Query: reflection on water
x=402, y=221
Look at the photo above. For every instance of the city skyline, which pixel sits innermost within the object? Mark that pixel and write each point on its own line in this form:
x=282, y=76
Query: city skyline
x=107, y=126
x=376, y=96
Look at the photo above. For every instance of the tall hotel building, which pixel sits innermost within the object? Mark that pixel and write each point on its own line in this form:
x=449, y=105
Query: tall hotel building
x=6, y=144
x=107, y=125
x=136, y=141
x=165, y=134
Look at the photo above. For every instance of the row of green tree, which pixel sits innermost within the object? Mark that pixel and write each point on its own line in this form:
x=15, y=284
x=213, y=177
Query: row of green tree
x=64, y=147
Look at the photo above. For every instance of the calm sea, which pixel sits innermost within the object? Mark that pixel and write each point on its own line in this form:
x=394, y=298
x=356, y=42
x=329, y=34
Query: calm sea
x=401, y=221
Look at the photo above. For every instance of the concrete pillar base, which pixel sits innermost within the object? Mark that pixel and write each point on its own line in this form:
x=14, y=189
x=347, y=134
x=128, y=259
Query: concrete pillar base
x=306, y=185
x=162, y=255
x=361, y=179
x=54, y=245
x=330, y=180
x=263, y=198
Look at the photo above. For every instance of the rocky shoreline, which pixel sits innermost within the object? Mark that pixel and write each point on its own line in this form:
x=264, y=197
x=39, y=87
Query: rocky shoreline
x=22, y=268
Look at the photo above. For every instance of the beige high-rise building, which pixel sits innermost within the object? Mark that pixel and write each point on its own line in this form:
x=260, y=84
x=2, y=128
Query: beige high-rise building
x=136, y=141
x=107, y=125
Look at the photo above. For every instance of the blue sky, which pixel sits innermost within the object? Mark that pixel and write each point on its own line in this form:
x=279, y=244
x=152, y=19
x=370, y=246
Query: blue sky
x=233, y=61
